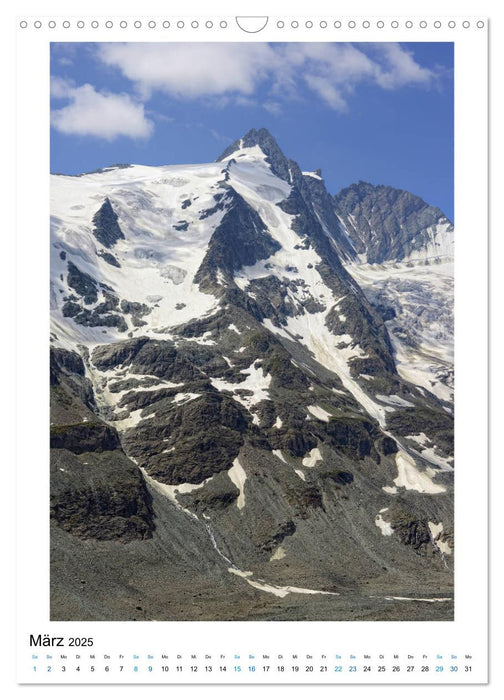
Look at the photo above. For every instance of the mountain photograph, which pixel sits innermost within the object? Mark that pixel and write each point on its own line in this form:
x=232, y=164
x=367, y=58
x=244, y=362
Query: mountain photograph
x=251, y=364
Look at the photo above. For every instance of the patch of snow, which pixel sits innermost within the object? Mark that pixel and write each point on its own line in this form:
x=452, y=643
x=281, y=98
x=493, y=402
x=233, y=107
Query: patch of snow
x=279, y=591
x=232, y=327
x=443, y=547
x=442, y=463
x=385, y=527
x=314, y=456
x=411, y=478
x=171, y=491
x=389, y=489
x=279, y=553
x=419, y=600
x=279, y=455
x=300, y=474
x=394, y=400
x=185, y=398
x=315, y=176
x=435, y=530
x=421, y=438
x=278, y=423
x=255, y=381
x=319, y=413
x=238, y=476
x=134, y=418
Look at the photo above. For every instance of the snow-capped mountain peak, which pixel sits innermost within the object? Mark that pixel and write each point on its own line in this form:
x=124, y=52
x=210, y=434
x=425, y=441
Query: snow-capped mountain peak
x=209, y=320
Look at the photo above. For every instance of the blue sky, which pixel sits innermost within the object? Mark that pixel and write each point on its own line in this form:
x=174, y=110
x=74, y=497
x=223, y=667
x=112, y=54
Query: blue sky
x=377, y=112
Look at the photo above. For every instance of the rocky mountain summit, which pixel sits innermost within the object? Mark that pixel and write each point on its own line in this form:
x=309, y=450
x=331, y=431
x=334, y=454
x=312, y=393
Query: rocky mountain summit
x=235, y=433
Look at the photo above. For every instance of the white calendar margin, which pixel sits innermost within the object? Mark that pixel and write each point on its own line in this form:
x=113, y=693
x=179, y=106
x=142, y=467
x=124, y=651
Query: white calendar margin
x=468, y=633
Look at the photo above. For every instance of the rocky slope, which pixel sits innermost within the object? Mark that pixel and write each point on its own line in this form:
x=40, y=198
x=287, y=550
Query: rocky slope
x=231, y=436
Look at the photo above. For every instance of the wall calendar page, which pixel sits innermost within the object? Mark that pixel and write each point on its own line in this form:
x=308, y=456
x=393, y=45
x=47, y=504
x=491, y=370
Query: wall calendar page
x=250, y=255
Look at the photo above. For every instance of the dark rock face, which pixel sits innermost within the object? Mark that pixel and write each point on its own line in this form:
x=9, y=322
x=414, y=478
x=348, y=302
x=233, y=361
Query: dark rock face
x=84, y=284
x=98, y=316
x=323, y=205
x=106, y=229
x=68, y=382
x=199, y=439
x=354, y=436
x=103, y=498
x=109, y=258
x=384, y=222
x=84, y=437
x=240, y=239
x=217, y=495
x=411, y=421
x=411, y=531
x=96, y=491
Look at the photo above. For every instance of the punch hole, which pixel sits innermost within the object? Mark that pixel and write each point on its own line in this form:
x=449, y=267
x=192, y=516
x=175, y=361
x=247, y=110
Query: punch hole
x=95, y=24
x=80, y=24
x=151, y=24
x=366, y=24
x=337, y=24
x=380, y=24
x=66, y=24
x=423, y=24
x=37, y=24
x=209, y=24
x=123, y=24
x=194, y=24
x=223, y=24
x=51, y=24
x=166, y=24
x=394, y=24
x=480, y=24
x=323, y=24
x=466, y=24
x=408, y=24
x=309, y=24
x=109, y=24
x=137, y=24
x=452, y=24
x=252, y=25
x=437, y=24
x=180, y=24
x=280, y=24
x=352, y=24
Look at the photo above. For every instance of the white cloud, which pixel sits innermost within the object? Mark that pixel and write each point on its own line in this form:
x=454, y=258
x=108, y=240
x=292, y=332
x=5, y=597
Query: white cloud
x=327, y=91
x=99, y=114
x=60, y=87
x=191, y=70
x=231, y=73
x=400, y=68
x=273, y=107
